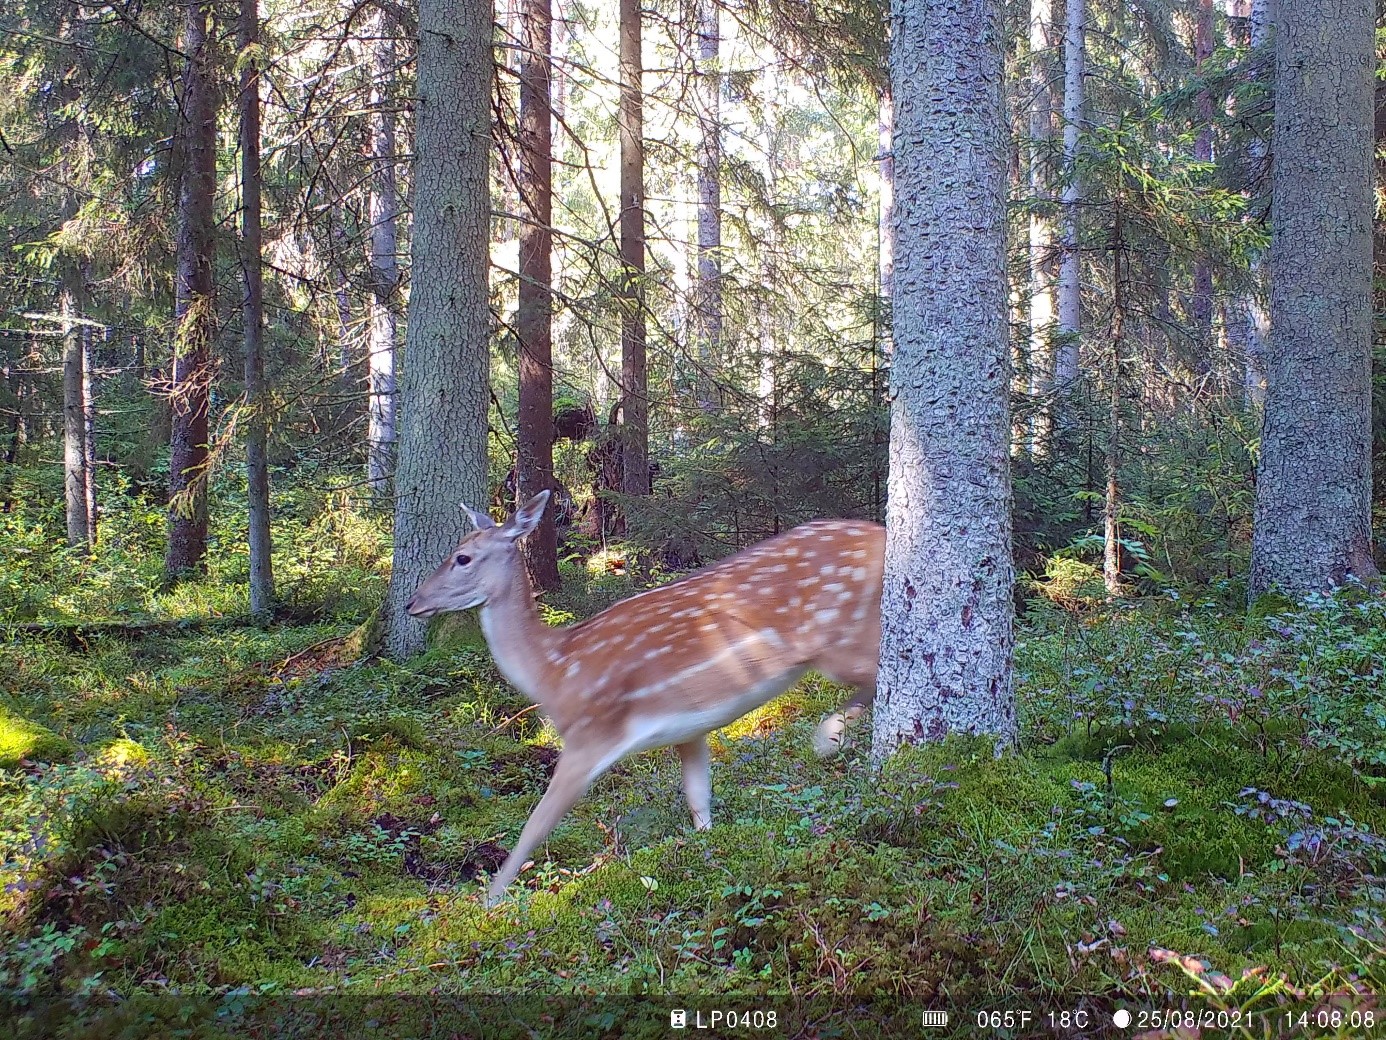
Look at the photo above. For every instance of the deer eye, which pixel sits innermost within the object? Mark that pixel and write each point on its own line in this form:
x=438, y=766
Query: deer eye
x=462, y=559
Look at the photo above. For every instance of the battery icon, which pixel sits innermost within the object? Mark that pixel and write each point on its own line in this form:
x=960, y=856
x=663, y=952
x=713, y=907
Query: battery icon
x=934, y=1019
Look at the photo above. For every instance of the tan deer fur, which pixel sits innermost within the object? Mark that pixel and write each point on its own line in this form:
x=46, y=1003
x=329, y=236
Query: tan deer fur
x=668, y=666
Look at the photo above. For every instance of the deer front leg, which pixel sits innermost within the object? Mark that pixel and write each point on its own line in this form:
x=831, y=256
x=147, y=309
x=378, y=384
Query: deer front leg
x=697, y=781
x=828, y=737
x=574, y=774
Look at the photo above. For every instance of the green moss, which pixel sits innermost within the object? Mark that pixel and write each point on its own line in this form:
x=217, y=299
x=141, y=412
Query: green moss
x=1268, y=604
x=456, y=630
x=124, y=753
x=405, y=730
x=22, y=739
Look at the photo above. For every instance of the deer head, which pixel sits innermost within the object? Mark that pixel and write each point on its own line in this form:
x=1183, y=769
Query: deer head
x=483, y=564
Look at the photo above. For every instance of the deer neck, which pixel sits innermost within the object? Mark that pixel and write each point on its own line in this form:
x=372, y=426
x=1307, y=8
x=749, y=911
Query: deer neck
x=522, y=645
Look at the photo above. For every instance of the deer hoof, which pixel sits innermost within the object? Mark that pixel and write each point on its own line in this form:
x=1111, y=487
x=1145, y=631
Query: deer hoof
x=827, y=739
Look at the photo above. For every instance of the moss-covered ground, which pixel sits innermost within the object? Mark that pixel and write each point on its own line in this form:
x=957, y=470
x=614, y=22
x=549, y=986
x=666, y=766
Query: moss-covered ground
x=197, y=824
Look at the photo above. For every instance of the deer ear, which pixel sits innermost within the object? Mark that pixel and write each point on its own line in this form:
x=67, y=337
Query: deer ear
x=479, y=520
x=526, y=518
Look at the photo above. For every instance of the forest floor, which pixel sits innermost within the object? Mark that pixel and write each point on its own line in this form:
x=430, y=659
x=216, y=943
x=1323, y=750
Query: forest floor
x=196, y=821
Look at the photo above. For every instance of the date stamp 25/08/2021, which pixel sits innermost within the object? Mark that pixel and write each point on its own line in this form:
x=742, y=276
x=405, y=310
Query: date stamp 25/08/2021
x=1323, y=1020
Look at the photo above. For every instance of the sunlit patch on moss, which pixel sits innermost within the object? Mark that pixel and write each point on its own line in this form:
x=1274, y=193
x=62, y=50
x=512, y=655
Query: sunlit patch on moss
x=23, y=740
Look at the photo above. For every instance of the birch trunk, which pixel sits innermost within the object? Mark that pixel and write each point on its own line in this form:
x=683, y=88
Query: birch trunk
x=1042, y=254
x=381, y=435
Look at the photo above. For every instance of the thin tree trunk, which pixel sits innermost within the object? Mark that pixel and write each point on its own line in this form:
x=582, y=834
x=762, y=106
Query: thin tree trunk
x=947, y=608
x=14, y=435
x=635, y=424
x=885, y=280
x=384, y=217
x=1066, y=360
x=89, y=430
x=1111, y=513
x=885, y=213
x=708, y=292
x=253, y=319
x=348, y=381
x=194, y=313
x=74, y=419
x=534, y=319
x=1042, y=254
x=1253, y=300
x=1312, y=524
x=1202, y=302
x=444, y=394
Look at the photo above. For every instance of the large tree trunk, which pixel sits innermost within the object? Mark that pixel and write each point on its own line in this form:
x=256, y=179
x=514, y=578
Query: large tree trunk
x=1066, y=359
x=1313, y=491
x=253, y=319
x=947, y=612
x=708, y=291
x=534, y=319
x=384, y=261
x=444, y=392
x=1379, y=268
x=74, y=415
x=635, y=407
x=194, y=312
x=1042, y=255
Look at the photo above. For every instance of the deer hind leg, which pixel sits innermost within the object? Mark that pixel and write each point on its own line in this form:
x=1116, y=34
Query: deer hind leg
x=828, y=737
x=697, y=781
x=574, y=774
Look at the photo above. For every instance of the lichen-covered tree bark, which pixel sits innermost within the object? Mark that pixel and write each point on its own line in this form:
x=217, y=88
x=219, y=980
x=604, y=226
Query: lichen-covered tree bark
x=193, y=308
x=947, y=612
x=534, y=316
x=1312, y=525
x=444, y=389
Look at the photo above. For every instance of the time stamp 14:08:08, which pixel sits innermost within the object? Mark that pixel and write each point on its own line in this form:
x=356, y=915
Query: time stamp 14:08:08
x=1326, y=1019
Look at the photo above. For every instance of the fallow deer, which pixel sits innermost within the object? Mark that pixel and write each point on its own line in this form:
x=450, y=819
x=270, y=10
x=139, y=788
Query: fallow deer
x=668, y=666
